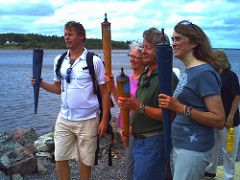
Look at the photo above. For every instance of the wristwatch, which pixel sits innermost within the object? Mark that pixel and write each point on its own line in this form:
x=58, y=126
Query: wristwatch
x=188, y=112
x=142, y=109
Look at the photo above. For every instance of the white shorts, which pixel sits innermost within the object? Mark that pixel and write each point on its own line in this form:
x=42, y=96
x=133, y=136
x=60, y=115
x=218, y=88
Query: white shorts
x=76, y=140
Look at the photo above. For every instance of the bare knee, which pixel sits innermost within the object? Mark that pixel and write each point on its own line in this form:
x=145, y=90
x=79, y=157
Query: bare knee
x=85, y=171
x=63, y=170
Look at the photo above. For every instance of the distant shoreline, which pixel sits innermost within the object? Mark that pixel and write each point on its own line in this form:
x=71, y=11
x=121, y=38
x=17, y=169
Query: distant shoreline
x=96, y=49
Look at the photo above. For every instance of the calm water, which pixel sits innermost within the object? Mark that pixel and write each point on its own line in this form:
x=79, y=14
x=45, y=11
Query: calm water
x=16, y=92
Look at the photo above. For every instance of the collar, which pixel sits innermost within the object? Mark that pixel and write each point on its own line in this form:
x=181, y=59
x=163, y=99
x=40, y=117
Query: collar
x=83, y=56
x=154, y=72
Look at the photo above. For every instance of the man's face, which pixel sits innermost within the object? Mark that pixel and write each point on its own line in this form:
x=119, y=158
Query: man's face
x=149, y=53
x=72, y=39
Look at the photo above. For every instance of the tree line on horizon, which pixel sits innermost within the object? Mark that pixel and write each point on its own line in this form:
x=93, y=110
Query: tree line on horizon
x=30, y=41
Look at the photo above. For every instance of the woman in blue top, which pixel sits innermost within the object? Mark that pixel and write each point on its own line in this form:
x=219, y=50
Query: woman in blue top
x=196, y=101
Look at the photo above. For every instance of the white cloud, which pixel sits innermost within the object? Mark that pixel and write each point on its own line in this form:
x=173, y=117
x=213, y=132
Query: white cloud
x=128, y=18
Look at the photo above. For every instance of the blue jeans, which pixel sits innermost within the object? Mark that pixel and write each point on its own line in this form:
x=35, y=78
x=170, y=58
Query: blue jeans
x=148, y=158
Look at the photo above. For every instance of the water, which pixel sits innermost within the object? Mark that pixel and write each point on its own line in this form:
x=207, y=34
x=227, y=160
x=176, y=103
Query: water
x=16, y=92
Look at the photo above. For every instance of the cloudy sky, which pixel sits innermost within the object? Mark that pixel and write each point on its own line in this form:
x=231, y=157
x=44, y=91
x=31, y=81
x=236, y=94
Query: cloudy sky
x=220, y=19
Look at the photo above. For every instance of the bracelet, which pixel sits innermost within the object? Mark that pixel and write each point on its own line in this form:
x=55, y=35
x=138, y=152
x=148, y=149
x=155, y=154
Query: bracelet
x=184, y=109
x=188, y=111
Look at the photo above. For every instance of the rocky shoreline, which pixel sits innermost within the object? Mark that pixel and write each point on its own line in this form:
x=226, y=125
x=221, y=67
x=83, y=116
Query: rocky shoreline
x=99, y=172
x=26, y=155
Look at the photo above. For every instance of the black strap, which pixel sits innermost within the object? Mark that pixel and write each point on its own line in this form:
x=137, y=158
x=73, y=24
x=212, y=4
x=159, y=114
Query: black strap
x=92, y=71
x=58, y=66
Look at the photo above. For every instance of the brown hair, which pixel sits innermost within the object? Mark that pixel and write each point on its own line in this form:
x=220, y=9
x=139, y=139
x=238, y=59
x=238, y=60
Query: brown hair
x=203, y=49
x=77, y=27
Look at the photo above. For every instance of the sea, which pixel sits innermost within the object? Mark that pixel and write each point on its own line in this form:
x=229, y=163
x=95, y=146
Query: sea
x=16, y=91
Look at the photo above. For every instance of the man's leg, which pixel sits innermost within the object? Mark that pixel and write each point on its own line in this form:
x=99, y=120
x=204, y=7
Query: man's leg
x=85, y=171
x=63, y=170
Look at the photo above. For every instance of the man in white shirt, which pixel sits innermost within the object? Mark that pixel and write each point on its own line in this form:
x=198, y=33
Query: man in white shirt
x=77, y=125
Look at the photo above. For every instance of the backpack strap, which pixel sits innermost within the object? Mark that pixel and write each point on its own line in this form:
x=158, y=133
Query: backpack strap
x=97, y=92
x=59, y=63
x=92, y=71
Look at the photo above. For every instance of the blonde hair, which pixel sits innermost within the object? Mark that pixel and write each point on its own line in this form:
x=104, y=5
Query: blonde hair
x=77, y=27
x=221, y=60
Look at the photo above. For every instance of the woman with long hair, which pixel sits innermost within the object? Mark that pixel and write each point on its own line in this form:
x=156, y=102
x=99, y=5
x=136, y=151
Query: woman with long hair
x=196, y=101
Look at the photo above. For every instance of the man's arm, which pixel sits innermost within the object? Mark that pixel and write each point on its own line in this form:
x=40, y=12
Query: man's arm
x=55, y=87
x=134, y=104
x=105, y=109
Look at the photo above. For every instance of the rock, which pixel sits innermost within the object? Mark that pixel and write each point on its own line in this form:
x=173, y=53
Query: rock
x=43, y=165
x=3, y=176
x=25, y=137
x=28, y=149
x=25, y=166
x=17, y=177
x=45, y=142
x=47, y=155
x=15, y=162
x=7, y=143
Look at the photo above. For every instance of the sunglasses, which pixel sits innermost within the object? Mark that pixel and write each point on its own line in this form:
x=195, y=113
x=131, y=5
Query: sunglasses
x=187, y=22
x=69, y=70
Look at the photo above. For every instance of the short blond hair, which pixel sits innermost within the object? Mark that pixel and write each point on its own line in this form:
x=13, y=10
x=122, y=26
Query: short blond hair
x=221, y=59
x=77, y=27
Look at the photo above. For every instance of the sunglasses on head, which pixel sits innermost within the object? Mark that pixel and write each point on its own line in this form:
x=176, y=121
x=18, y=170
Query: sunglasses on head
x=187, y=22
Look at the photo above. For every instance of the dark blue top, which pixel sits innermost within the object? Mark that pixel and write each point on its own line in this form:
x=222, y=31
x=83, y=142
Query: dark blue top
x=230, y=88
x=195, y=84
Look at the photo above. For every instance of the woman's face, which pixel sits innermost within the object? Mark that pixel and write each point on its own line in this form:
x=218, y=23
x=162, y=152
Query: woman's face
x=181, y=45
x=136, y=59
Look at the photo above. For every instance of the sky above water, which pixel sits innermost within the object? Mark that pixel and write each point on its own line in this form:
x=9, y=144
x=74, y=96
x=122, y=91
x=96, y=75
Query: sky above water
x=129, y=18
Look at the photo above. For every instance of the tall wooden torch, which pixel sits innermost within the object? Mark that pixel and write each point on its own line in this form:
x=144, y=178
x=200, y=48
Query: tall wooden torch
x=106, y=43
x=123, y=87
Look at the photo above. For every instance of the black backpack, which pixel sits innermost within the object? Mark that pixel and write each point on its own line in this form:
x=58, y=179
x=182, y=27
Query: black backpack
x=97, y=92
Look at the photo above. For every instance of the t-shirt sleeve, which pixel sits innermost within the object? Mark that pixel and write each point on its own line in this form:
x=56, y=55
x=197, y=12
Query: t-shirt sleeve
x=99, y=69
x=209, y=83
x=235, y=85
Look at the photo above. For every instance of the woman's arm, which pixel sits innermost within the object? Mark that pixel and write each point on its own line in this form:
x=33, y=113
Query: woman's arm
x=234, y=107
x=215, y=117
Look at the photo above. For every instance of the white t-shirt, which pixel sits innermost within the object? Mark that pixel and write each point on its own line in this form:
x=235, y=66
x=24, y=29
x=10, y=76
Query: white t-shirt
x=77, y=99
